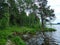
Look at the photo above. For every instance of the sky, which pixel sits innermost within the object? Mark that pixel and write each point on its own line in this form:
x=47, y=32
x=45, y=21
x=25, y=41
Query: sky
x=55, y=4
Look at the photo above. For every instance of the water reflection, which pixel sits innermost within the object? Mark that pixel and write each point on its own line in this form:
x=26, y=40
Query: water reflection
x=46, y=38
x=42, y=39
x=56, y=35
x=49, y=40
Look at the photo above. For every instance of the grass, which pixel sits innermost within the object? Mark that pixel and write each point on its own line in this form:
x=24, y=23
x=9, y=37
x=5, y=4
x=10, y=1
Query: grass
x=49, y=29
x=5, y=33
x=18, y=41
x=3, y=41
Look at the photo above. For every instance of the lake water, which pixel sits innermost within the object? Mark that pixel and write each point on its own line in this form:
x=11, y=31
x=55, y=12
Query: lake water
x=56, y=34
x=52, y=37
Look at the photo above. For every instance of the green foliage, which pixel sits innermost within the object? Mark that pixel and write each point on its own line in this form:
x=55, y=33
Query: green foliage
x=2, y=24
x=10, y=14
x=18, y=41
x=3, y=41
x=4, y=19
x=50, y=29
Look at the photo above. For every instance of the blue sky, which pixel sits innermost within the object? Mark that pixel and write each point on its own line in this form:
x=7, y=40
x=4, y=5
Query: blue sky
x=55, y=4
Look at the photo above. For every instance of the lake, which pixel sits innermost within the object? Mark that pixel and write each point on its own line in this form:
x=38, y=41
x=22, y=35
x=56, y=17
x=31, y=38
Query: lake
x=56, y=34
x=53, y=38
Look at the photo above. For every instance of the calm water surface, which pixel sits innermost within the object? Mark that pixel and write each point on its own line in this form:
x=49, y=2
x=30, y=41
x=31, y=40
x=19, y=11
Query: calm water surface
x=56, y=34
x=52, y=37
